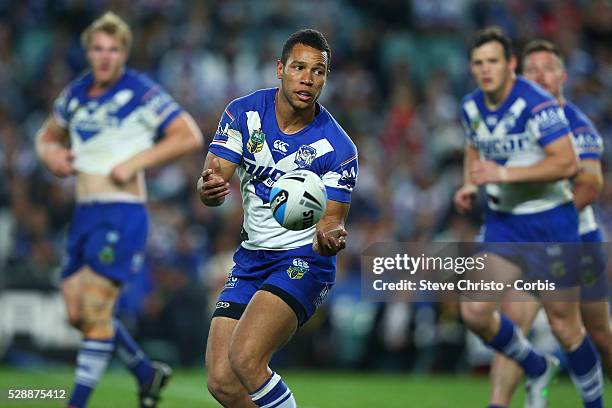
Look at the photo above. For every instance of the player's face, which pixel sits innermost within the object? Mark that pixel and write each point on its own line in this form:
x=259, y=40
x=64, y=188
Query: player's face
x=490, y=68
x=106, y=55
x=303, y=76
x=546, y=70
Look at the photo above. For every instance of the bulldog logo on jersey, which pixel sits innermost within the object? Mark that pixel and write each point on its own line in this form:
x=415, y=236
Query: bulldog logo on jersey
x=256, y=141
x=305, y=156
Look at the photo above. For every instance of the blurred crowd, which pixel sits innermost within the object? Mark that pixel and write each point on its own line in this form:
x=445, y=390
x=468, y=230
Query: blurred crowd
x=398, y=71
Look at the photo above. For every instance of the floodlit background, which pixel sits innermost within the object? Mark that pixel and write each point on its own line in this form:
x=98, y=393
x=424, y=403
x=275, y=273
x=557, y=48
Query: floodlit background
x=399, y=69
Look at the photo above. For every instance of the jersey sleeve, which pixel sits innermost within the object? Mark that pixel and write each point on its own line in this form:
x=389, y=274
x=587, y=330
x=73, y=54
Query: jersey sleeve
x=60, y=108
x=160, y=109
x=227, y=142
x=549, y=122
x=341, y=178
x=588, y=142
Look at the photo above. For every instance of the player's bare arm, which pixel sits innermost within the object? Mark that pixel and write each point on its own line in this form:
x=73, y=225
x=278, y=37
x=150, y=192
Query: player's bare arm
x=560, y=162
x=181, y=136
x=588, y=183
x=51, y=147
x=331, y=235
x=213, y=185
x=465, y=195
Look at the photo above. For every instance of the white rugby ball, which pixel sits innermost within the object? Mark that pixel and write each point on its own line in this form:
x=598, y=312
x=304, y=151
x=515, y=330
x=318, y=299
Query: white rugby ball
x=298, y=200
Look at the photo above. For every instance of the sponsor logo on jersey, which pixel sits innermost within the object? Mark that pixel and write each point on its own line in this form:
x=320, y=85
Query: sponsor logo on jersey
x=222, y=305
x=256, y=141
x=501, y=148
x=298, y=268
x=348, y=178
x=587, y=142
x=305, y=156
x=280, y=146
x=550, y=118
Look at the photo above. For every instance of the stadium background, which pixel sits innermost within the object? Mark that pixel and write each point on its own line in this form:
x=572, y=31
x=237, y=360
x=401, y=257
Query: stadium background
x=399, y=69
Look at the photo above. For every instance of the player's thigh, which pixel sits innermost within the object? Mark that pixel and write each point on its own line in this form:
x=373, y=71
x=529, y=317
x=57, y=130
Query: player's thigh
x=99, y=295
x=73, y=295
x=521, y=308
x=217, y=350
x=267, y=324
x=596, y=316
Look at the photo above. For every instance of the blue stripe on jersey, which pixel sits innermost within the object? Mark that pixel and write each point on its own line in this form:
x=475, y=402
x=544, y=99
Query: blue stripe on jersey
x=543, y=141
x=337, y=194
x=219, y=150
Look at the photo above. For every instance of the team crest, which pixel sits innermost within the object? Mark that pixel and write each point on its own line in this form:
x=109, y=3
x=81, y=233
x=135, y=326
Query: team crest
x=305, y=156
x=476, y=124
x=106, y=255
x=298, y=268
x=256, y=141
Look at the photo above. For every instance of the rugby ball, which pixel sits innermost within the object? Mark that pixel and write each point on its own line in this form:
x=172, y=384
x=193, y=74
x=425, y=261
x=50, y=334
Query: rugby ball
x=298, y=200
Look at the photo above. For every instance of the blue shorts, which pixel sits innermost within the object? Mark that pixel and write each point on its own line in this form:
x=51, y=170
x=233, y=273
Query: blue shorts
x=555, y=251
x=110, y=238
x=593, y=267
x=300, y=277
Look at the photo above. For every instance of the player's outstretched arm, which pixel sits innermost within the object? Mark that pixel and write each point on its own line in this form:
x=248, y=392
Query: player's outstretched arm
x=588, y=183
x=181, y=136
x=560, y=162
x=51, y=148
x=213, y=185
x=331, y=235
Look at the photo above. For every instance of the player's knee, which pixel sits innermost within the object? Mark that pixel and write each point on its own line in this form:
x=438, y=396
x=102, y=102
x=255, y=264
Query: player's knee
x=222, y=389
x=568, y=335
x=475, y=315
x=243, y=362
x=97, y=327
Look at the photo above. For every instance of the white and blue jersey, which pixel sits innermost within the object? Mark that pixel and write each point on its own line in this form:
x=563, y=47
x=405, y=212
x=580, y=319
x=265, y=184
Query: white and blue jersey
x=110, y=128
x=249, y=136
x=516, y=135
x=589, y=146
x=108, y=232
x=272, y=258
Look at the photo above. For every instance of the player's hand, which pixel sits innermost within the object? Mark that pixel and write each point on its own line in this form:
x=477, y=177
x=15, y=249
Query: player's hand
x=464, y=197
x=212, y=187
x=331, y=242
x=59, y=162
x=123, y=172
x=487, y=171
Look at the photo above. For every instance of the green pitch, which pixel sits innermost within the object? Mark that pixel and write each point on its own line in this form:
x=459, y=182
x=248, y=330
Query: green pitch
x=312, y=389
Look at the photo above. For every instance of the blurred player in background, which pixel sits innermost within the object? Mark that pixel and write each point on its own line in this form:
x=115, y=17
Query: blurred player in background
x=521, y=149
x=542, y=63
x=102, y=129
x=279, y=277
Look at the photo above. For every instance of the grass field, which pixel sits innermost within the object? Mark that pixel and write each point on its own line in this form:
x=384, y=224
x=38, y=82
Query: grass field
x=313, y=389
